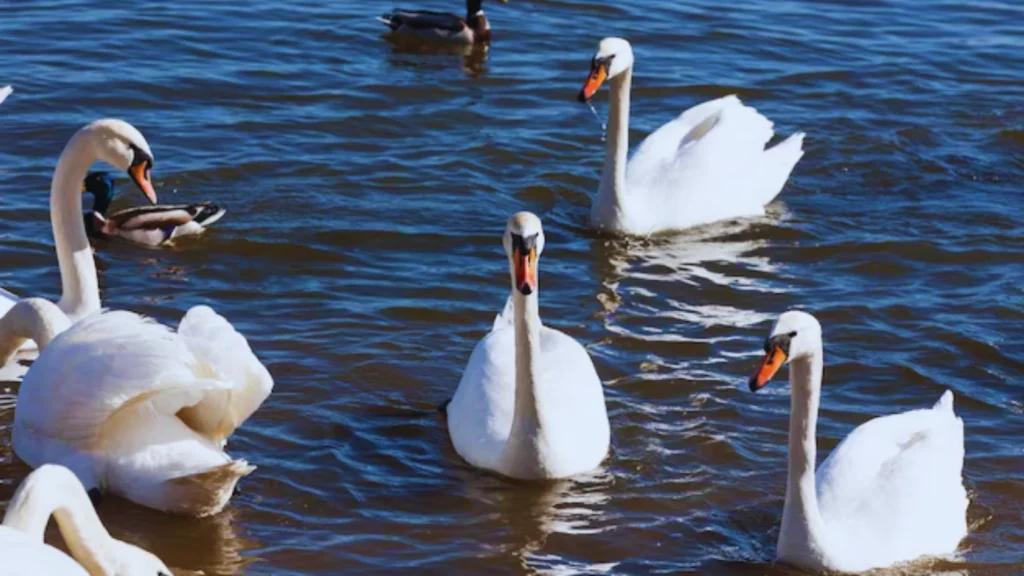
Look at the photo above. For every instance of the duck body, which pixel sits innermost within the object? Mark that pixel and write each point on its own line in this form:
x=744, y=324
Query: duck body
x=139, y=410
x=709, y=164
x=530, y=404
x=147, y=225
x=431, y=26
x=891, y=492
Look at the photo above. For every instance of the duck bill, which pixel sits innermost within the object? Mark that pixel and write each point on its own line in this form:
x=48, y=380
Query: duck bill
x=140, y=174
x=526, y=271
x=598, y=74
x=773, y=360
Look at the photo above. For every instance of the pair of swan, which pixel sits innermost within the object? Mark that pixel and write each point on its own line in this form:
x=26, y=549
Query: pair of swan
x=890, y=492
x=708, y=164
x=54, y=491
x=130, y=406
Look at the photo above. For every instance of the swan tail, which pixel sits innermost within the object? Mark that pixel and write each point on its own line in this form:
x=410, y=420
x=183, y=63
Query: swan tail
x=5, y=92
x=204, y=493
x=945, y=402
x=779, y=163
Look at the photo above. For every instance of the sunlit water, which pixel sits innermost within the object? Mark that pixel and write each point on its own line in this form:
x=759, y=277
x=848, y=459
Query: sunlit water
x=367, y=187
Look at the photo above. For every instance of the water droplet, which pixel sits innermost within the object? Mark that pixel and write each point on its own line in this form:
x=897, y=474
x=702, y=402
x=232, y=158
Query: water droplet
x=604, y=127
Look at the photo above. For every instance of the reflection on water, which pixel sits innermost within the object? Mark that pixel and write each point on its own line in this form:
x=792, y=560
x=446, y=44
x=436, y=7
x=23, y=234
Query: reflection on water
x=411, y=52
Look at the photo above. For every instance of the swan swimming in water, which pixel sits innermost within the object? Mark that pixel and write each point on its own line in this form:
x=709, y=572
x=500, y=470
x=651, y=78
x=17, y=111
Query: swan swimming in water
x=530, y=404
x=708, y=164
x=890, y=492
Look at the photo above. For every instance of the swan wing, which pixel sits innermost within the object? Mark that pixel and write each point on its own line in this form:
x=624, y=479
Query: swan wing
x=5, y=92
x=709, y=164
x=224, y=355
x=893, y=490
x=506, y=317
x=480, y=412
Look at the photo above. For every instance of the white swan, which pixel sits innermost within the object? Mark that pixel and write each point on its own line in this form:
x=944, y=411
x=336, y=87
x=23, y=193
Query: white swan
x=115, y=142
x=530, y=404
x=708, y=164
x=141, y=411
x=890, y=492
x=53, y=490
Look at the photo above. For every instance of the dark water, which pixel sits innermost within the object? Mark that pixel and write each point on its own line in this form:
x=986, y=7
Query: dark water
x=367, y=189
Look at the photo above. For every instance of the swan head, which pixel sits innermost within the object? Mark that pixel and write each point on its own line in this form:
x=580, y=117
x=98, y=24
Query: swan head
x=129, y=560
x=122, y=145
x=796, y=335
x=524, y=242
x=614, y=56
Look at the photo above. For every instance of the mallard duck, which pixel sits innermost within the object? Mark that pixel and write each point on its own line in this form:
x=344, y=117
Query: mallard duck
x=149, y=225
x=442, y=26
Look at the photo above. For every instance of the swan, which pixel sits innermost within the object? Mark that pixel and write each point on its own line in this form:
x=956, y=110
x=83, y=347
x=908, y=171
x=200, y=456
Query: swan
x=442, y=26
x=5, y=91
x=54, y=490
x=530, y=404
x=146, y=225
x=890, y=492
x=708, y=164
x=138, y=410
x=115, y=142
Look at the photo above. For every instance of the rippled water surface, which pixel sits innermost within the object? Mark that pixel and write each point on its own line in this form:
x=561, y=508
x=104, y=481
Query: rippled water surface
x=367, y=187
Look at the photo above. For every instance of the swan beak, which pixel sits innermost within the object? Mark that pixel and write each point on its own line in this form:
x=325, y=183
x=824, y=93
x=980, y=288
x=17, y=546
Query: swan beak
x=139, y=173
x=598, y=74
x=526, y=271
x=773, y=360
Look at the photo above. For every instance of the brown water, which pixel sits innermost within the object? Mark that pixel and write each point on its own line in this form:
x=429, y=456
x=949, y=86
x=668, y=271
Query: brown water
x=367, y=187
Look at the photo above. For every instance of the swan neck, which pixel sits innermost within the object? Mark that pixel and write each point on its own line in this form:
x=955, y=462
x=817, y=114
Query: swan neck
x=55, y=491
x=613, y=177
x=30, y=319
x=80, y=294
x=526, y=435
x=801, y=517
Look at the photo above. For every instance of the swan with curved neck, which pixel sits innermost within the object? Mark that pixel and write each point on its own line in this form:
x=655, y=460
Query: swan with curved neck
x=891, y=492
x=54, y=491
x=530, y=404
x=708, y=164
x=115, y=142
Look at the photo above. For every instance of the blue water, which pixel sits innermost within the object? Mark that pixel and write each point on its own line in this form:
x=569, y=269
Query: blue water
x=367, y=186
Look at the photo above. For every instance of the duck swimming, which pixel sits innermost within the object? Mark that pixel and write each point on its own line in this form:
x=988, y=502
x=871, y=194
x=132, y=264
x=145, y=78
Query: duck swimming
x=148, y=225
x=442, y=26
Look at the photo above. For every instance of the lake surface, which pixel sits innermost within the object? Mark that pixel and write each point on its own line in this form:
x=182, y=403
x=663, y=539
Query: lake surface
x=367, y=188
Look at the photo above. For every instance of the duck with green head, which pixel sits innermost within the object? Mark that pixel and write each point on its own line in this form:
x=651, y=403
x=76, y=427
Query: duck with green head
x=148, y=225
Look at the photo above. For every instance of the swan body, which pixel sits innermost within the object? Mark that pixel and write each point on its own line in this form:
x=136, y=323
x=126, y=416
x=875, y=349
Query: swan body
x=139, y=410
x=146, y=225
x=115, y=142
x=5, y=91
x=441, y=26
x=530, y=404
x=892, y=490
x=708, y=164
x=54, y=490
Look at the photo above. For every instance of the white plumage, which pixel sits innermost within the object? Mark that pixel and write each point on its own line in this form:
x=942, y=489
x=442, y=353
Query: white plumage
x=891, y=492
x=139, y=410
x=530, y=404
x=708, y=164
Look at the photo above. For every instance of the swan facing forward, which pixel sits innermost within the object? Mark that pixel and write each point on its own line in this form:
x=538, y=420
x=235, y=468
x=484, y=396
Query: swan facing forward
x=708, y=164
x=139, y=410
x=890, y=492
x=530, y=404
x=54, y=490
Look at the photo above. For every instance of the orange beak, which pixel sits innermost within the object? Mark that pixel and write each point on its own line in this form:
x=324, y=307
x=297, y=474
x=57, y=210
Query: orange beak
x=598, y=74
x=773, y=360
x=526, y=271
x=140, y=175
